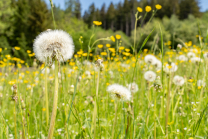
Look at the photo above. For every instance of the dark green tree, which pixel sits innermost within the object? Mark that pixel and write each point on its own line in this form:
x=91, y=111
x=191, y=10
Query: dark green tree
x=189, y=7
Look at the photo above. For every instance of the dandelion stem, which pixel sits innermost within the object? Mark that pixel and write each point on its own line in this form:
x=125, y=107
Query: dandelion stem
x=15, y=122
x=54, y=23
x=135, y=33
x=167, y=107
x=115, y=119
x=46, y=96
x=95, y=107
x=55, y=102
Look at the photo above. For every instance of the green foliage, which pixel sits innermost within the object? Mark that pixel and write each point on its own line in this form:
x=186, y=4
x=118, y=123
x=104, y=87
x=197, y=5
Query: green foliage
x=154, y=40
x=6, y=12
x=173, y=29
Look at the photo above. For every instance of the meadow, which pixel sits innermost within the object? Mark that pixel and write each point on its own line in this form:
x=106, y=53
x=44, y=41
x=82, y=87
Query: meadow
x=105, y=92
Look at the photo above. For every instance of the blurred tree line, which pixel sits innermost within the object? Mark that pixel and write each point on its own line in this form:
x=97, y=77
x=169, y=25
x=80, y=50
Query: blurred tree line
x=22, y=20
x=121, y=16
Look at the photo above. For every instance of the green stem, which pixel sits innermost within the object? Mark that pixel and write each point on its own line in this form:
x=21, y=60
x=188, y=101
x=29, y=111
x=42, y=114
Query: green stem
x=54, y=23
x=115, y=119
x=46, y=96
x=155, y=123
x=135, y=33
x=15, y=122
x=55, y=102
x=167, y=107
x=95, y=108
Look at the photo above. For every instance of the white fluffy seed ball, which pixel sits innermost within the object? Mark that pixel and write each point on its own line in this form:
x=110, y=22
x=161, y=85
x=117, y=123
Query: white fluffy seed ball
x=53, y=43
x=150, y=76
x=178, y=80
x=120, y=92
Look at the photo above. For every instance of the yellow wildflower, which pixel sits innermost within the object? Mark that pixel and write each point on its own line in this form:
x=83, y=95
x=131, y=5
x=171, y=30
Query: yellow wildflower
x=139, y=9
x=158, y=6
x=112, y=49
x=103, y=53
x=100, y=46
x=113, y=38
x=97, y=23
x=84, y=54
x=118, y=37
x=17, y=48
x=28, y=51
x=108, y=45
x=127, y=50
x=148, y=8
x=0, y=50
x=191, y=80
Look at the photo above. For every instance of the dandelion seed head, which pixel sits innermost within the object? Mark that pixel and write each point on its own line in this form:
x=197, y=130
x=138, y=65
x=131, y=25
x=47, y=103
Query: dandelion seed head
x=158, y=64
x=191, y=54
x=170, y=68
x=201, y=83
x=196, y=60
x=133, y=87
x=120, y=92
x=51, y=43
x=205, y=55
x=150, y=76
x=182, y=58
x=178, y=80
x=150, y=59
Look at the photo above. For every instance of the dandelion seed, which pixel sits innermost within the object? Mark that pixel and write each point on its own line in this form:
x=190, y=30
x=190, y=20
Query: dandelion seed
x=179, y=46
x=182, y=58
x=191, y=54
x=205, y=55
x=170, y=67
x=150, y=59
x=196, y=60
x=120, y=92
x=150, y=76
x=201, y=83
x=158, y=64
x=53, y=43
x=133, y=87
x=178, y=80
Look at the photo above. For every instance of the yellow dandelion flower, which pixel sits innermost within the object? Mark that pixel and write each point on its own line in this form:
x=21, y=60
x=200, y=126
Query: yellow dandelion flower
x=17, y=48
x=121, y=48
x=108, y=45
x=80, y=52
x=139, y=9
x=118, y=37
x=84, y=54
x=127, y=50
x=113, y=38
x=0, y=50
x=148, y=8
x=97, y=23
x=103, y=53
x=28, y=51
x=158, y=6
x=171, y=123
x=43, y=109
x=191, y=80
x=30, y=55
x=100, y=46
x=112, y=49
